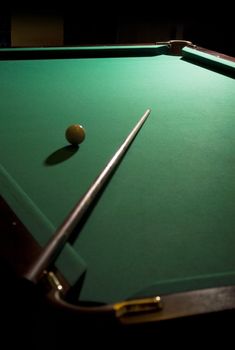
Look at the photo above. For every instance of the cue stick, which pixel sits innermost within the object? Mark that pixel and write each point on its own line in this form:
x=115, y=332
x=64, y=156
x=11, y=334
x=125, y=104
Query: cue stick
x=62, y=234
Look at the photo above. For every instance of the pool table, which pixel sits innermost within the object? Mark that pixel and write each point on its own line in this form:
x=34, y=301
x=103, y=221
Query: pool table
x=158, y=242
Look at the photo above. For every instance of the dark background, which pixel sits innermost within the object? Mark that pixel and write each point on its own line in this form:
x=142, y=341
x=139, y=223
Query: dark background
x=215, y=31
x=209, y=33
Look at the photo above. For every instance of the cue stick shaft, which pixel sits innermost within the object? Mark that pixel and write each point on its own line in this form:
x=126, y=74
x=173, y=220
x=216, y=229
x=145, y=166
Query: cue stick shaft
x=62, y=234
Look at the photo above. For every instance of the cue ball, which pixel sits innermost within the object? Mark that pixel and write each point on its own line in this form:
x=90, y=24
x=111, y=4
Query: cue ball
x=75, y=134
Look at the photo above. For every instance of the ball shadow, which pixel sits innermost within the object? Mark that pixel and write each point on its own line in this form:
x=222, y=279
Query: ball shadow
x=61, y=155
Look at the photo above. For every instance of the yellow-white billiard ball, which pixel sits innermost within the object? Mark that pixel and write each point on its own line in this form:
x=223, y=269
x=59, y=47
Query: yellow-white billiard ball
x=75, y=134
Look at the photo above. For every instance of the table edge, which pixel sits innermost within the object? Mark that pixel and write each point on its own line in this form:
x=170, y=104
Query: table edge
x=175, y=306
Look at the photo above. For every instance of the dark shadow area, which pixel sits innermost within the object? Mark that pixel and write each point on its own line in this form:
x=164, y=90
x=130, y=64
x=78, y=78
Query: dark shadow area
x=85, y=52
x=5, y=29
x=17, y=246
x=83, y=28
x=217, y=68
x=72, y=294
x=61, y=155
x=215, y=33
x=28, y=319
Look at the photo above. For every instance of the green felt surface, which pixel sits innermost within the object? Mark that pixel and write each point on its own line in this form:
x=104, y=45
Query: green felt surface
x=167, y=216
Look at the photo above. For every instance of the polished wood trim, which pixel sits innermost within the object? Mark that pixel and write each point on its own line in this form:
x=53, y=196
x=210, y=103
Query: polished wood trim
x=17, y=246
x=215, y=53
x=191, y=303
